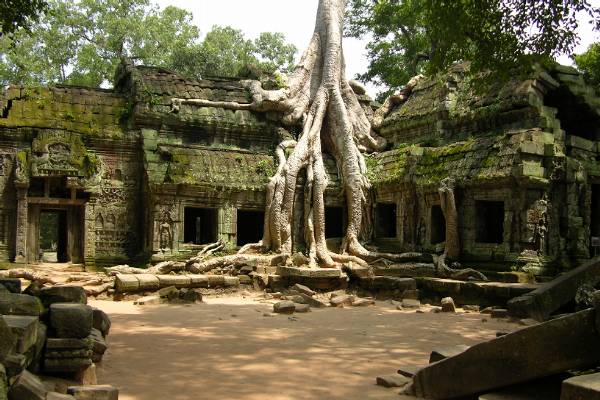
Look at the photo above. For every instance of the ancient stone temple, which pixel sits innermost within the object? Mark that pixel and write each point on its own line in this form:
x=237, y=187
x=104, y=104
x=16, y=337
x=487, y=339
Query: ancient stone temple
x=130, y=175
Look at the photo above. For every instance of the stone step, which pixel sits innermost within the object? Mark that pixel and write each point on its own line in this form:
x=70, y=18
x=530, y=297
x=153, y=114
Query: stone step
x=581, y=387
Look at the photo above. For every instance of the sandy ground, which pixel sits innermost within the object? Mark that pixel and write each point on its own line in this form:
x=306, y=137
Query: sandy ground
x=234, y=348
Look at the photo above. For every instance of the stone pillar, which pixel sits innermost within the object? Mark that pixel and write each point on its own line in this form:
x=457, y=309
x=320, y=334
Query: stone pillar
x=89, y=231
x=227, y=226
x=22, y=225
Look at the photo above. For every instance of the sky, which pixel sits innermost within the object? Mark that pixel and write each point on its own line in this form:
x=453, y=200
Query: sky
x=295, y=19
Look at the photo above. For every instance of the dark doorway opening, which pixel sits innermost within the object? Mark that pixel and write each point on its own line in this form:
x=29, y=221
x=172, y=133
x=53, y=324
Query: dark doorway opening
x=438, y=225
x=53, y=237
x=250, y=226
x=385, y=220
x=576, y=116
x=200, y=225
x=490, y=221
x=334, y=222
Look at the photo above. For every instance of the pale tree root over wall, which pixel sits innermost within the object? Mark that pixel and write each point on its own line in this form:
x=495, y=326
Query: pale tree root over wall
x=317, y=96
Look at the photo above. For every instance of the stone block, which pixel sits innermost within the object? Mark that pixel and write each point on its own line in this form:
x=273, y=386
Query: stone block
x=101, y=321
x=87, y=376
x=20, y=304
x=284, y=307
x=94, y=392
x=411, y=294
x=342, y=300
x=148, y=282
x=411, y=303
x=189, y=295
x=127, y=283
x=448, y=305
x=63, y=294
x=34, y=289
x=68, y=343
x=580, y=143
x=245, y=280
x=179, y=281
x=99, y=345
x=311, y=301
x=392, y=381
x=231, y=281
x=8, y=340
x=564, y=343
x=499, y=313
x=75, y=364
x=301, y=308
x=13, y=285
x=70, y=320
x=285, y=271
x=25, y=329
x=363, y=302
x=27, y=387
x=198, y=281
x=445, y=352
x=582, y=387
x=303, y=289
x=216, y=281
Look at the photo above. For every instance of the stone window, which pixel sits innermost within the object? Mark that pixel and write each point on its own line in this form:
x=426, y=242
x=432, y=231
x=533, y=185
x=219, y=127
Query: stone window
x=200, y=225
x=437, y=225
x=334, y=222
x=385, y=220
x=489, y=221
x=250, y=226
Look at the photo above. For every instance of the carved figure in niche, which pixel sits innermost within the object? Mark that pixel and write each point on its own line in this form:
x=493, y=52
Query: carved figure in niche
x=165, y=229
x=4, y=164
x=110, y=222
x=99, y=222
x=540, y=230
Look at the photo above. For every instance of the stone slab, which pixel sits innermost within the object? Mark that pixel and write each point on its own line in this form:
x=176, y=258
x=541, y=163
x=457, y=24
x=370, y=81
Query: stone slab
x=569, y=342
x=25, y=329
x=378, y=283
x=445, y=352
x=300, y=272
x=8, y=340
x=198, y=281
x=68, y=344
x=231, y=281
x=66, y=364
x=179, y=281
x=19, y=304
x=549, y=297
x=94, y=392
x=71, y=320
x=284, y=307
x=13, y=285
x=27, y=387
x=63, y=294
x=148, y=282
x=582, y=387
x=127, y=283
x=59, y=396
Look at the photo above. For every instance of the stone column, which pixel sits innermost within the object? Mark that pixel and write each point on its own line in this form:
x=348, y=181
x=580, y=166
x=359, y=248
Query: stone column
x=89, y=231
x=227, y=226
x=22, y=225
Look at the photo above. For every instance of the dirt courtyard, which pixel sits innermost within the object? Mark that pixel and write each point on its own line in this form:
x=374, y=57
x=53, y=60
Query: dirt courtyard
x=233, y=348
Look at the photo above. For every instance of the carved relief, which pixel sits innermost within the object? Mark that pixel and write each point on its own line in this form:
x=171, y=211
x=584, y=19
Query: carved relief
x=5, y=164
x=537, y=224
x=165, y=227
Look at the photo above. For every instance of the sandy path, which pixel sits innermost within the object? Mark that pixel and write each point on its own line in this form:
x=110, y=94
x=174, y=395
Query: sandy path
x=227, y=349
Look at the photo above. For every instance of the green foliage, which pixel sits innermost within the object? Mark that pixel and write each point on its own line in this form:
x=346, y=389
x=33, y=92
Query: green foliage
x=15, y=14
x=589, y=64
x=266, y=168
x=411, y=36
x=226, y=52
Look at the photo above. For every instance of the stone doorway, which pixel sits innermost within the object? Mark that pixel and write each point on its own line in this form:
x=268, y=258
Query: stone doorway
x=55, y=233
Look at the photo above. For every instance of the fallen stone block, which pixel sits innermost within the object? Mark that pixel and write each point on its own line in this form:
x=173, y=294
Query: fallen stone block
x=342, y=300
x=363, y=302
x=179, y=281
x=216, y=280
x=20, y=304
x=8, y=340
x=231, y=281
x=245, y=280
x=392, y=381
x=13, y=285
x=471, y=307
x=63, y=294
x=582, y=387
x=87, y=376
x=95, y=392
x=99, y=346
x=284, y=307
x=411, y=303
x=198, y=281
x=448, y=305
x=25, y=329
x=34, y=289
x=296, y=298
x=3, y=383
x=550, y=296
x=303, y=289
x=569, y=342
x=411, y=294
x=27, y=387
x=14, y=364
x=101, y=321
x=148, y=282
x=389, y=283
x=70, y=320
x=445, y=352
x=169, y=292
x=301, y=308
x=313, y=302
x=126, y=283
x=189, y=296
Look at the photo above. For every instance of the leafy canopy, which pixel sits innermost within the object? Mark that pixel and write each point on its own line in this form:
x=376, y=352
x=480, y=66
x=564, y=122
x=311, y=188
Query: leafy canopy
x=589, y=64
x=82, y=41
x=429, y=35
x=15, y=14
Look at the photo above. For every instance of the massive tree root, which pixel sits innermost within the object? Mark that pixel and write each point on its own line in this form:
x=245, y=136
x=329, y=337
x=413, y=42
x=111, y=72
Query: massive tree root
x=318, y=96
